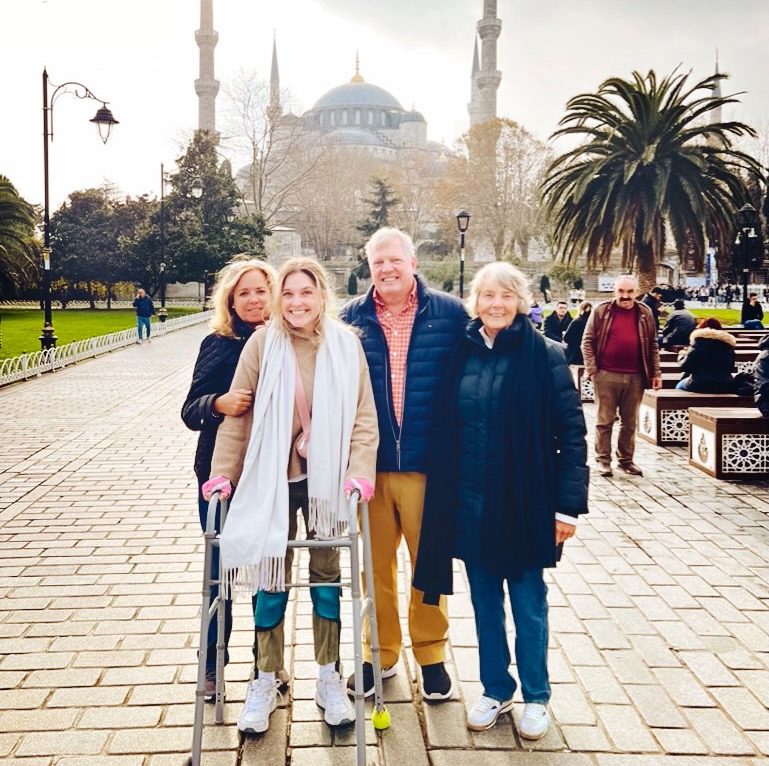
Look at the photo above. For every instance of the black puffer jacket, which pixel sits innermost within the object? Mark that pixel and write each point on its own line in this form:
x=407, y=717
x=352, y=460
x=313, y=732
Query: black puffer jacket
x=483, y=437
x=214, y=370
x=573, y=339
x=709, y=362
x=507, y=453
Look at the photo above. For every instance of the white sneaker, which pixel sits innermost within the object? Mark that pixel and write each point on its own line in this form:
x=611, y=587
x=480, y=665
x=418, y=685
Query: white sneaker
x=485, y=712
x=535, y=721
x=261, y=700
x=331, y=695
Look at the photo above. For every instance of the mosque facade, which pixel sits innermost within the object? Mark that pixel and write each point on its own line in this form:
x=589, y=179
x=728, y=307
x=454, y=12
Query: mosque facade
x=358, y=113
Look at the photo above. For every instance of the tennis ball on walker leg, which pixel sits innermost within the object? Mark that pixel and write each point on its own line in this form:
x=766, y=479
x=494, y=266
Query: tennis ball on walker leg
x=381, y=719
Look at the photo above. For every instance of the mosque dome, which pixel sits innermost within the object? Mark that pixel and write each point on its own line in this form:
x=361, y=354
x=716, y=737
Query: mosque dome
x=357, y=93
x=413, y=116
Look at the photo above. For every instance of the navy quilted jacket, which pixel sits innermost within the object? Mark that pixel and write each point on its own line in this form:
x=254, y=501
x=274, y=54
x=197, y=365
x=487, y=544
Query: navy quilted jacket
x=214, y=370
x=438, y=326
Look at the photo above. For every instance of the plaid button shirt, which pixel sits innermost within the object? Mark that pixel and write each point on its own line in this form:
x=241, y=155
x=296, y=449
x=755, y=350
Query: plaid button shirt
x=397, y=332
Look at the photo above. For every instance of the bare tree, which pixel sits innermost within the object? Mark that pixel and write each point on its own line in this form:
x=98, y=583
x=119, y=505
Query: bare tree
x=279, y=158
x=495, y=174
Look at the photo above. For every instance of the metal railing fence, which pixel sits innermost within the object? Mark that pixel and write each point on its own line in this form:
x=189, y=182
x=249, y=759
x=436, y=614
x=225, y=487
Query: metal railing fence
x=34, y=364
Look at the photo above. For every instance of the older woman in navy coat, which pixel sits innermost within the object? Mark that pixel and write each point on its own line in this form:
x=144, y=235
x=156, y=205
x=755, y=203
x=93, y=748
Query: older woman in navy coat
x=507, y=480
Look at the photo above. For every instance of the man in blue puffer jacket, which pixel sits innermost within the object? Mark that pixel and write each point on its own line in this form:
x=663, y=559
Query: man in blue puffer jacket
x=407, y=331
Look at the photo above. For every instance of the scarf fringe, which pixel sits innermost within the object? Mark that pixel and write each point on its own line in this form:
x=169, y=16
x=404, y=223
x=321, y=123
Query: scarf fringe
x=323, y=518
x=268, y=575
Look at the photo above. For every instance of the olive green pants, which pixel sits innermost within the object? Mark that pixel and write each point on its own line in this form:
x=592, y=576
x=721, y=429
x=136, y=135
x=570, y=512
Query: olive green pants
x=270, y=607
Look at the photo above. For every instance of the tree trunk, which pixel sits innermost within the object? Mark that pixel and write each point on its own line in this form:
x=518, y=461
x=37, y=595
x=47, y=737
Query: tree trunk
x=647, y=268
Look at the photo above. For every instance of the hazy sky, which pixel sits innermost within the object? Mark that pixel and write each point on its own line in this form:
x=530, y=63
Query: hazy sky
x=141, y=57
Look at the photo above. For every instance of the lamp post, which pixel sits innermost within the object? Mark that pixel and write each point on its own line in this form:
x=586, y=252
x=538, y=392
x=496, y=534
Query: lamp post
x=463, y=221
x=104, y=122
x=162, y=314
x=747, y=236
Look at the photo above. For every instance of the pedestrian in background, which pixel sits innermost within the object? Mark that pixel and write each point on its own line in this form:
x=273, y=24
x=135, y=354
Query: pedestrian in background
x=708, y=362
x=678, y=326
x=557, y=322
x=622, y=359
x=507, y=479
x=574, y=332
x=241, y=301
x=145, y=309
x=752, y=314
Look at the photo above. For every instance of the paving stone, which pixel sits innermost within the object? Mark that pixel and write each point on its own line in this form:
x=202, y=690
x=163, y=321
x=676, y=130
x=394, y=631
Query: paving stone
x=742, y=707
x=709, y=669
x=586, y=738
x=601, y=685
x=719, y=733
x=570, y=705
x=329, y=756
x=102, y=760
x=506, y=758
x=446, y=725
x=680, y=742
x=62, y=743
x=626, y=729
x=684, y=687
x=655, y=706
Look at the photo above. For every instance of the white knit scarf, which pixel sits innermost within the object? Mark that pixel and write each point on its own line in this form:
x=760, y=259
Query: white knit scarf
x=254, y=540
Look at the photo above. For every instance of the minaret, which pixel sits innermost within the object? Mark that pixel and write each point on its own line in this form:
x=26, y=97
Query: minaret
x=276, y=110
x=486, y=80
x=474, y=106
x=206, y=86
x=716, y=93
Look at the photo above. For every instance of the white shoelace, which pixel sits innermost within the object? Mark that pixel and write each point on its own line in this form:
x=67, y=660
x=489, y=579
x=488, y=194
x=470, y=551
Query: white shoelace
x=260, y=694
x=334, y=692
x=534, y=711
x=485, y=704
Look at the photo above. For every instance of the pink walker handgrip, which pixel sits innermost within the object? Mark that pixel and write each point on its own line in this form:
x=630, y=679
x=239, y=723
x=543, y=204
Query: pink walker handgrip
x=364, y=487
x=220, y=484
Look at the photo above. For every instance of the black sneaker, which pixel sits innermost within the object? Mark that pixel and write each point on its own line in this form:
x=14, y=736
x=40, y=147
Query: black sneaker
x=368, y=679
x=436, y=682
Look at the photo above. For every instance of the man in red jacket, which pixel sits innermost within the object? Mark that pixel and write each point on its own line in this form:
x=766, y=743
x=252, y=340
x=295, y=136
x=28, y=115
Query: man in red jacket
x=622, y=359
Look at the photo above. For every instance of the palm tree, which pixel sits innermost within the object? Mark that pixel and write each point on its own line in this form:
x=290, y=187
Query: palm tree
x=649, y=162
x=18, y=249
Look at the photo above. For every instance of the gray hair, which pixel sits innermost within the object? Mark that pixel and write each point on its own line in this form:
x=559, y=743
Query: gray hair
x=387, y=234
x=500, y=274
x=626, y=276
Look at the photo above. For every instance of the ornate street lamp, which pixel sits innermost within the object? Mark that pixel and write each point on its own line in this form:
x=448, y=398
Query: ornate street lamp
x=746, y=240
x=104, y=121
x=463, y=221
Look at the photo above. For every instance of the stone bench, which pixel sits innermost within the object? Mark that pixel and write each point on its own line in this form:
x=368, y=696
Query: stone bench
x=581, y=383
x=663, y=418
x=729, y=442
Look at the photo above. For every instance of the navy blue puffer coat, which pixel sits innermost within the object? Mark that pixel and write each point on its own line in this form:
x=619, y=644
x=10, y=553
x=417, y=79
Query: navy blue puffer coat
x=438, y=326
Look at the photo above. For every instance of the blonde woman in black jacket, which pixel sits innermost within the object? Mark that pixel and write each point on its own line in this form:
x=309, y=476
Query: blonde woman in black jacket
x=242, y=298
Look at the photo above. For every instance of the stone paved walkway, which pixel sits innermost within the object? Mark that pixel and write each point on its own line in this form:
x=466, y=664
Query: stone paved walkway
x=659, y=626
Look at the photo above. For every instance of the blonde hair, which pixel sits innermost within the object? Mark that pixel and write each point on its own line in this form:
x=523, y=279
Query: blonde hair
x=500, y=274
x=226, y=281
x=319, y=277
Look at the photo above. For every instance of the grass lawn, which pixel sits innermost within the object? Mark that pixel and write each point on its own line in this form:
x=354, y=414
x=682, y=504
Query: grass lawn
x=725, y=316
x=20, y=328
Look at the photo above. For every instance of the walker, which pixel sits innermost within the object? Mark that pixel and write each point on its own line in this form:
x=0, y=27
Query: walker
x=362, y=607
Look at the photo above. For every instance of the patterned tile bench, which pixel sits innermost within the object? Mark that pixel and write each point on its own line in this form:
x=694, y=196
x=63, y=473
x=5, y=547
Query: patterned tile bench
x=663, y=418
x=729, y=442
